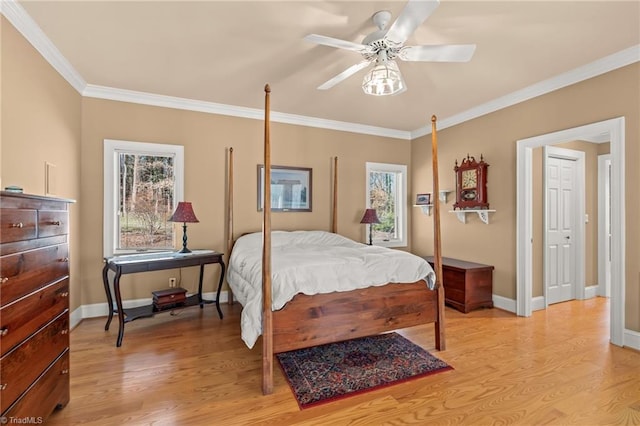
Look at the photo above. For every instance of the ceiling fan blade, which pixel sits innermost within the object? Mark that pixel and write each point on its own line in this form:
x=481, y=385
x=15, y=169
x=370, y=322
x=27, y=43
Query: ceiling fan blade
x=343, y=75
x=438, y=53
x=334, y=42
x=411, y=17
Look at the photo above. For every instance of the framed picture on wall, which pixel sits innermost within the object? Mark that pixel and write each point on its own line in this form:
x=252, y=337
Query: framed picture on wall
x=290, y=188
x=423, y=199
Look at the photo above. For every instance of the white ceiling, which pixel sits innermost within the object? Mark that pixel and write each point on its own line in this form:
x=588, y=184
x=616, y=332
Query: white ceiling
x=225, y=52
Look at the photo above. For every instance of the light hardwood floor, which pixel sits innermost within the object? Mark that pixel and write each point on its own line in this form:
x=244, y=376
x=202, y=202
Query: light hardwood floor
x=556, y=367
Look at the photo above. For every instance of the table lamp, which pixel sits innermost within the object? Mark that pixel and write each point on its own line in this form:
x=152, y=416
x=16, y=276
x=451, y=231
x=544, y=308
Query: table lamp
x=370, y=217
x=184, y=213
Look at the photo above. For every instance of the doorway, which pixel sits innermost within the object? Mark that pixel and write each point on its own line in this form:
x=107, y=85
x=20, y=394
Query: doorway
x=614, y=130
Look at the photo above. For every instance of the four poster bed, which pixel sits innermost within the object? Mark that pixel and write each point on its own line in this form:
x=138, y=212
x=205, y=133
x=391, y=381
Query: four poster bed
x=338, y=313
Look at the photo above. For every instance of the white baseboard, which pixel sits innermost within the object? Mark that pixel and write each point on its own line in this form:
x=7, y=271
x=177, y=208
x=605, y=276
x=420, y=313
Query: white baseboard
x=504, y=303
x=590, y=291
x=101, y=309
x=631, y=339
x=537, y=303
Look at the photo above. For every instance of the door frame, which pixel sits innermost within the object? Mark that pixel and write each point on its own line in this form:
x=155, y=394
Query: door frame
x=615, y=129
x=578, y=245
x=604, y=252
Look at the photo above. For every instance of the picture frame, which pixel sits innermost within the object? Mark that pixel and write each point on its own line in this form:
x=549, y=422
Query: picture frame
x=423, y=199
x=291, y=188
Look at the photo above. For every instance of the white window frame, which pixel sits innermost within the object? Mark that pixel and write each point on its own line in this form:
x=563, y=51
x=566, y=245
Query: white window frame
x=401, y=201
x=112, y=149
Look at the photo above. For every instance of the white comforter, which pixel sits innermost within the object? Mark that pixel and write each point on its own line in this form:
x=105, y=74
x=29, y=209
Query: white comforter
x=313, y=262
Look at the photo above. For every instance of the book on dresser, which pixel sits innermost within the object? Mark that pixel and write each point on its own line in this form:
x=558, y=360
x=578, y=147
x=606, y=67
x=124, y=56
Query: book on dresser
x=34, y=305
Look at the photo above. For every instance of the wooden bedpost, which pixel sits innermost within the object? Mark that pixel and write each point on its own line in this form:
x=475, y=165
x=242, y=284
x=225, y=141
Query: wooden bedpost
x=437, y=244
x=334, y=215
x=267, y=318
x=230, y=216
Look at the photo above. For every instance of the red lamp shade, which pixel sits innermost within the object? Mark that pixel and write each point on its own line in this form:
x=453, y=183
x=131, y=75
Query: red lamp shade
x=184, y=213
x=370, y=216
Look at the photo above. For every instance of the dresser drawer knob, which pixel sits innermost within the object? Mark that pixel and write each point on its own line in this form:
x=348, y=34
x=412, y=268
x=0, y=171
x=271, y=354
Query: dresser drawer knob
x=64, y=294
x=17, y=225
x=65, y=371
x=4, y=280
x=4, y=331
x=3, y=386
x=64, y=259
x=56, y=222
x=65, y=331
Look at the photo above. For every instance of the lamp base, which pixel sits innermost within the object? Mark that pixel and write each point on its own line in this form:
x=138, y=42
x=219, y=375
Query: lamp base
x=184, y=239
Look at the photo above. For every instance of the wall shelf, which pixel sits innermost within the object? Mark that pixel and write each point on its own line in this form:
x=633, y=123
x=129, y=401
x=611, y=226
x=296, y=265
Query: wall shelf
x=483, y=214
x=426, y=208
x=444, y=194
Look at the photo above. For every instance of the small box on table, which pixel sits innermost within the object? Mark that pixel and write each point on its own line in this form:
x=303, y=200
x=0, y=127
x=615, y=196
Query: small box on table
x=168, y=298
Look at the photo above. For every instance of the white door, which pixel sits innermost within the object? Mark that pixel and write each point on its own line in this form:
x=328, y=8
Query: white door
x=561, y=208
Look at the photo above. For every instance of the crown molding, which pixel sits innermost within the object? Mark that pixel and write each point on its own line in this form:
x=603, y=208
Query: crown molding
x=123, y=95
x=608, y=63
x=32, y=32
x=20, y=19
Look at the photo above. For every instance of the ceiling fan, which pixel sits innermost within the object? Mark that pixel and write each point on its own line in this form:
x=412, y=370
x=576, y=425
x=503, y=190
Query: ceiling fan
x=383, y=46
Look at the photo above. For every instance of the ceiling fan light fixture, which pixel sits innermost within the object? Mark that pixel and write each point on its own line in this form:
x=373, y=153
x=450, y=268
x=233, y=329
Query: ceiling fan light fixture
x=383, y=79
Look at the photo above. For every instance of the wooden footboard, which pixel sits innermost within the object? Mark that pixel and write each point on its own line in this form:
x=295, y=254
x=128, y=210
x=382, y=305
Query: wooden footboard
x=308, y=321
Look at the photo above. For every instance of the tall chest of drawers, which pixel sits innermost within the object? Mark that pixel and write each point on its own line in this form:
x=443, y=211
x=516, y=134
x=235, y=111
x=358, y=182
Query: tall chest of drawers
x=34, y=305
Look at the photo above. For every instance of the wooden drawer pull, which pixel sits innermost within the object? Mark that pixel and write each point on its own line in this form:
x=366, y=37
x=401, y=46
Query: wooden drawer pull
x=3, y=386
x=4, y=331
x=4, y=280
x=56, y=222
x=17, y=225
x=65, y=331
x=64, y=294
x=64, y=259
x=65, y=371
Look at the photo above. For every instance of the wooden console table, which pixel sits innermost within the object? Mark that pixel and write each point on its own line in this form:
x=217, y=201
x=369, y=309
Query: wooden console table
x=134, y=263
x=467, y=285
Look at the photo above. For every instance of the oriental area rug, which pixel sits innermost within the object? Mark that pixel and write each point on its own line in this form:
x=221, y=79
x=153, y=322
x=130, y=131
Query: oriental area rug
x=329, y=372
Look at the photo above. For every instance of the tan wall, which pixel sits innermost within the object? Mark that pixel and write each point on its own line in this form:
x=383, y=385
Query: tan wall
x=206, y=139
x=614, y=94
x=40, y=123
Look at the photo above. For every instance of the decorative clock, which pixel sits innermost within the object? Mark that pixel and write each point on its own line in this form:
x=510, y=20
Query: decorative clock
x=471, y=184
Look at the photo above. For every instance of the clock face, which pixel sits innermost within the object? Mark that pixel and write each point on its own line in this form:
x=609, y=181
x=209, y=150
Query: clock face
x=469, y=179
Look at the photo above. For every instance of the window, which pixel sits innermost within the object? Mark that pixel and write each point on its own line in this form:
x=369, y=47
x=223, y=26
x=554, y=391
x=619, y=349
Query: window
x=143, y=183
x=387, y=193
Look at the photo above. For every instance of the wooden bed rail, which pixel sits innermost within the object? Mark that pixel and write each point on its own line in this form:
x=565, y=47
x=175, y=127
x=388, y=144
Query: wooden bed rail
x=334, y=215
x=437, y=244
x=230, y=215
x=267, y=314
